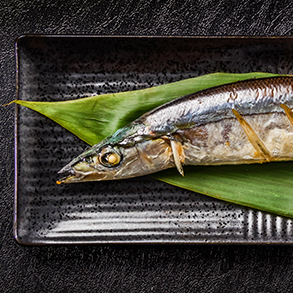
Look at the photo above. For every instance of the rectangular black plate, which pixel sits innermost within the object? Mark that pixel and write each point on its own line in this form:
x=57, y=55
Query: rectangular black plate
x=140, y=210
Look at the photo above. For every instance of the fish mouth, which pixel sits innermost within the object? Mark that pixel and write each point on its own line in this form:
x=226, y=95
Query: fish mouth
x=80, y=172
x=74, y=176
x=70, y=176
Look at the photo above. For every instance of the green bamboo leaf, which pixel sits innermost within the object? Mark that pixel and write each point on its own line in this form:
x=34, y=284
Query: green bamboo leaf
x=93, y=119
x=266, y=187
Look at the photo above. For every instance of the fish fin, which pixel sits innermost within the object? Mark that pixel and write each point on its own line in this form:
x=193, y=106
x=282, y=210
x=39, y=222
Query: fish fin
x=288, y=112
x=253, y=137
x=178, y=154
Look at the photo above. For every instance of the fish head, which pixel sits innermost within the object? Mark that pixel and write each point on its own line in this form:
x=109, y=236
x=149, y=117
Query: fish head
x=111, y=161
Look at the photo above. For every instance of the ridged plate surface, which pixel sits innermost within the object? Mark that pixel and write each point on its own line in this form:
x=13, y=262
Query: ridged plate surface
x=140, y=210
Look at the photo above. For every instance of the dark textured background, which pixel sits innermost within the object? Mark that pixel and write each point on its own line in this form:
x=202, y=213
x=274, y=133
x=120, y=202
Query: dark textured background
x=131, y=268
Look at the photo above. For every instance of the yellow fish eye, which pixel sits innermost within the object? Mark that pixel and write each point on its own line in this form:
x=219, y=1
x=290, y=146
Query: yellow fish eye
x=110, y=159
x=113, y=159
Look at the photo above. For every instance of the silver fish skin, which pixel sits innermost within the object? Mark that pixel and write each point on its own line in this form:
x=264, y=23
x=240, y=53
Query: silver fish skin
x=238, y=123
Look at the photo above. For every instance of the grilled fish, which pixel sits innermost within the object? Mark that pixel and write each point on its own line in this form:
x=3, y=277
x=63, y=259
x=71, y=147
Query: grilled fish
x=238, y=123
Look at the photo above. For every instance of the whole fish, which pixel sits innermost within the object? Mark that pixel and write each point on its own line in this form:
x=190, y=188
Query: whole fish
x=238, y=123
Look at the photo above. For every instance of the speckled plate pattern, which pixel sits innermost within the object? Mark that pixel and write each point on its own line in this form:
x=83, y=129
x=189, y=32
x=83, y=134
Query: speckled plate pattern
x=139, y=210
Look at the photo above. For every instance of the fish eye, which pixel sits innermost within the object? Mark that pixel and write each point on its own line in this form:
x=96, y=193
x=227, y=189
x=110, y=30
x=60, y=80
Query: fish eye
x=109, y=158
